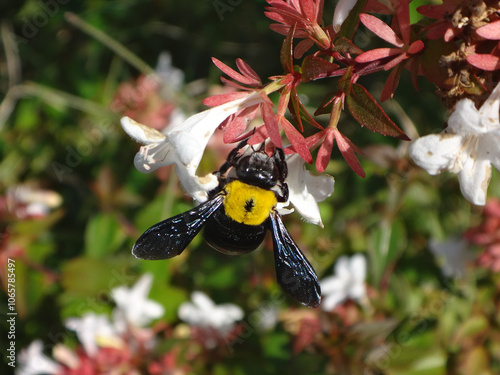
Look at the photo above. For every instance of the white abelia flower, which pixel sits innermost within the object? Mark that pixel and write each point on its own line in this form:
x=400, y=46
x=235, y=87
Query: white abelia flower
x=183, y=144
x=341, y=12
x=468, y=147
x=132, y=305
x=94, y=330
x=306, y=189
x=452, y=255
x=347, y=283
x=202, y=312
x=26, y=201
x=32, y=361
x=171, y=77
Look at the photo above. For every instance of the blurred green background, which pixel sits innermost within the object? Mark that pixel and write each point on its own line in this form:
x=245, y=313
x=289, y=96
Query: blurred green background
x=58, y=132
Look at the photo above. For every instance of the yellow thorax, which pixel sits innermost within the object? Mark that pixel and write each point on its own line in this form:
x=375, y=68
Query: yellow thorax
x=248, y=204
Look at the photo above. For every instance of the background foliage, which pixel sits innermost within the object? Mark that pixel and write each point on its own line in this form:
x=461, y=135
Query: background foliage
x=62, y=135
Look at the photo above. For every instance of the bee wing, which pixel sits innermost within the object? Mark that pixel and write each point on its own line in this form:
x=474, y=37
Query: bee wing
x=170, y=237
x=294, y=272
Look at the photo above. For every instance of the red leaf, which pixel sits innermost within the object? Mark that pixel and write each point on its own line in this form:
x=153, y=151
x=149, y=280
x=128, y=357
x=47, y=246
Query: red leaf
x=308, y=9
x=403, y=17
x=416, y=47
x=307, y=116
x=365, y=109
x=238, y=122
x=433, y=11
x=314, y=67
x=284, y=100
x=347, y=150
x=391, y=83
x=231, y=72
x=296, y=139
x=259, y=135
x=325, y=151
x=484, y=61
x=302, y=47
x=490, y=31
x=216, y=100
x=395, y=61
x=271, y=124
x=377, y=54
x=286, y=53
x=248, y=72
x=234, y=84
x=380, y=29
x=294, y=108
x=451, y=33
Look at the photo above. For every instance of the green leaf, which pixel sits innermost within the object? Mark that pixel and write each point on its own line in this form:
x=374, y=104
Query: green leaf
x=473, y=327
x=95, y=272
x=170, y=297
x=276, y=346
x=387, y=244
x=103, y=235
x=365, y=109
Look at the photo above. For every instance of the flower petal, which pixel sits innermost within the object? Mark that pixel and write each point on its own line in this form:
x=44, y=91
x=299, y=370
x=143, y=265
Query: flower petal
x=89, y=327
x=358, y=267
x=141, y=133
x=184, y=144
x=331, y=301
x=343, y=268
x=153, y=156
x=306, y=189
x=489, y=148
x=32, y=361
x=133, y=304
x=341, y=12
x=474, y=179
x=436, y=152
x=465, y=119
x=489, y=110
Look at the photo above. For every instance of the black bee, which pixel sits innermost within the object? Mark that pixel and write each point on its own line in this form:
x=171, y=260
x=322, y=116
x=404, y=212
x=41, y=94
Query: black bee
x=236, y=217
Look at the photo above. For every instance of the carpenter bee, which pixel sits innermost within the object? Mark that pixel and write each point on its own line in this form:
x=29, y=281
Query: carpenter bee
x=236, y=218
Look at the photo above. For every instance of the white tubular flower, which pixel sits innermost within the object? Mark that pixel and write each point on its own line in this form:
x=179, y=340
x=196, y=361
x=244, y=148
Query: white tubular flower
x=341, y=12
x=204, y=313
x=468, y=147
x=132, y=305
x=32, y=361
x=347, y=283
x=306, y=189
x=184, y=144
x=92, y=330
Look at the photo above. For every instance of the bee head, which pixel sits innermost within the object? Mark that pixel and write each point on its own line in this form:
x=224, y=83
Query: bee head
x=258, y=169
